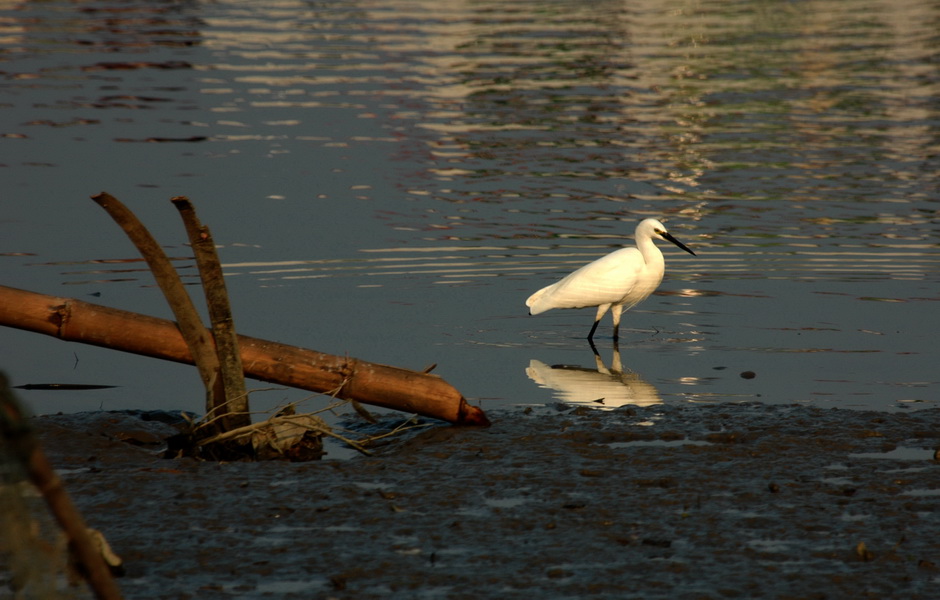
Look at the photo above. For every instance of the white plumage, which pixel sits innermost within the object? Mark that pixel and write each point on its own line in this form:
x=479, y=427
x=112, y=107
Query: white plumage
x=616, y=282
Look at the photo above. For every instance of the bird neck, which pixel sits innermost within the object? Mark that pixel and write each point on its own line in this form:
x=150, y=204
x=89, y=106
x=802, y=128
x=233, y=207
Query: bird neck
x=651, y=253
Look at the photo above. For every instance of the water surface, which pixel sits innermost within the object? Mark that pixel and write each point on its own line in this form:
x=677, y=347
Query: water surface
x=391, y=180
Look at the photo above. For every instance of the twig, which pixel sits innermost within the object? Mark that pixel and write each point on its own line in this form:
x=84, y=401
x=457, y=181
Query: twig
x=297, y=420
x=206, y=421
x=403, y=427
x=352, y=443
x=211, y=418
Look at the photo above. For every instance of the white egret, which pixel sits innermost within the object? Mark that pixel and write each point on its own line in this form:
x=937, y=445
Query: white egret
x=616, y=282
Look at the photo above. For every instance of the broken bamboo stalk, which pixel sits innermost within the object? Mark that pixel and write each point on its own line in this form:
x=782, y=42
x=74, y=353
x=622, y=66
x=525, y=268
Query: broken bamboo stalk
x=220, y=316
x=194, y=333
x=345, y=377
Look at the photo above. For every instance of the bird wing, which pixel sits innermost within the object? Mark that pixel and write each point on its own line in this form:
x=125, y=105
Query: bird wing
x=607, y=280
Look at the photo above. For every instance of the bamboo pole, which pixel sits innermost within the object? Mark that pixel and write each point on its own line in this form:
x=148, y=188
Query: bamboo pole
x=349, y=378
x=15, y=430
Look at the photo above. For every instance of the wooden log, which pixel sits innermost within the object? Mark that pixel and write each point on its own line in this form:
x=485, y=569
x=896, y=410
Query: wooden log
x=345, y=377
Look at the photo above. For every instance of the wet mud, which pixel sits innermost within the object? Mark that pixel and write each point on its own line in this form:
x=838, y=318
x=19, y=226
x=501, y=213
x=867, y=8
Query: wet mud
x=732, y=501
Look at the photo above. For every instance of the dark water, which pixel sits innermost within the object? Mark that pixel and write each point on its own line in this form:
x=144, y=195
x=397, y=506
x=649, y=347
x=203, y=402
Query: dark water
x=391, y=180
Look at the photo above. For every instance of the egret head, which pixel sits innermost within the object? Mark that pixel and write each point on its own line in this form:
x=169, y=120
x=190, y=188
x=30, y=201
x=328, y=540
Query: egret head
x=654, y=229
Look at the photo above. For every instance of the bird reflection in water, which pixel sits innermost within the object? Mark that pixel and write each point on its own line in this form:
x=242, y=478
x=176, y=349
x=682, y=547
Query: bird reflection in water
x=597, y=387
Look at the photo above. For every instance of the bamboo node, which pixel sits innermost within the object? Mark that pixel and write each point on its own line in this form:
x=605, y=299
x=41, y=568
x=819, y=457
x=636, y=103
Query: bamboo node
x=60, y=316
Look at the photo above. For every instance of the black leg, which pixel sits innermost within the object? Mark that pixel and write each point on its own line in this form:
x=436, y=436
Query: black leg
x=593, y=329
x=597, y=355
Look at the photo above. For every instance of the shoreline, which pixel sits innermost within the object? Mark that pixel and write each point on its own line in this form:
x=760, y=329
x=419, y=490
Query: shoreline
x=703, y=501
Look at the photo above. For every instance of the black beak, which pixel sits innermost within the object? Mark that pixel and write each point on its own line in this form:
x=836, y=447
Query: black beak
x=667, y=236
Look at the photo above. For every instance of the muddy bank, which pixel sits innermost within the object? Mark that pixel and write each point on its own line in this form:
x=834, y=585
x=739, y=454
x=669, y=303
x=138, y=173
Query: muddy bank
x=731, y=501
